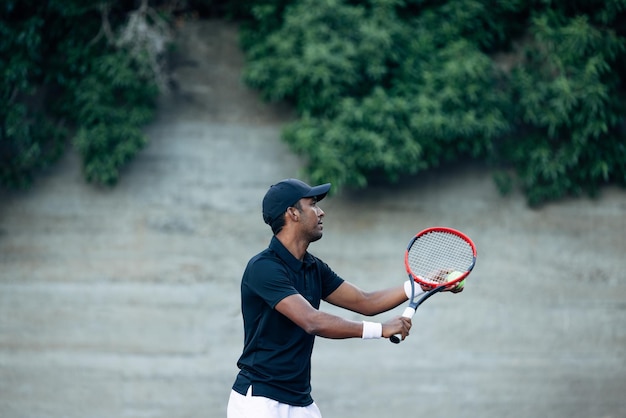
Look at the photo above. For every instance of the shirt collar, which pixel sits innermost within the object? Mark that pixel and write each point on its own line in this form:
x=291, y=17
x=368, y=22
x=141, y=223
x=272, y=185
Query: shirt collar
x=283, y=253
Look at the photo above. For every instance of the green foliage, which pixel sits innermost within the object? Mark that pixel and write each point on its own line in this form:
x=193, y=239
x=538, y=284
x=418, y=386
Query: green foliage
x=394, y=87
x=385, y=99
x=571, y=109
x=418, y=124
x=318, y=56
x=62, y=75
x=456, y=106
x=24, y=148
x=490, y=25
x=112, y=104
x=382, y=87
x=367, y=137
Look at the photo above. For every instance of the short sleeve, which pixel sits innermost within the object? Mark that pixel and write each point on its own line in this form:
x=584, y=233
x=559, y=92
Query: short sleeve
x=330, y=280
x=269, y=280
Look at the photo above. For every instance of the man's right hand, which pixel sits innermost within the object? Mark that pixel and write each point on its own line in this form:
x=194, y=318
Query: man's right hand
x=398, y=325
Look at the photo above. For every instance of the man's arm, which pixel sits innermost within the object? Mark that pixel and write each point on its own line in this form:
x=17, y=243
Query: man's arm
x=315, y=322
x=351, y=297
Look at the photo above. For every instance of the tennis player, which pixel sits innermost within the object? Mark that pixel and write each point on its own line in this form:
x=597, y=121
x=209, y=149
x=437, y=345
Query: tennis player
x=281, y=290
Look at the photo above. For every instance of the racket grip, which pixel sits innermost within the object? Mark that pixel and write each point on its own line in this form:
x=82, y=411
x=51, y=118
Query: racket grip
x=408, y=313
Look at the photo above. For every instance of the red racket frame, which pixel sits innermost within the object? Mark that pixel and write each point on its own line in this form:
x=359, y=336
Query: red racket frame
x=445, y=230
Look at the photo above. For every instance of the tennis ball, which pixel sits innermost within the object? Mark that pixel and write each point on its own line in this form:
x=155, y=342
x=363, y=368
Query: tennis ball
x=453, y=275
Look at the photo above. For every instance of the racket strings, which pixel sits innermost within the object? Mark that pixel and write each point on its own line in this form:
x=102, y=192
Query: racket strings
x=435, y=254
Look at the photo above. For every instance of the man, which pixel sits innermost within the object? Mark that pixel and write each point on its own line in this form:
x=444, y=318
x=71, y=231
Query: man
x=281, y=291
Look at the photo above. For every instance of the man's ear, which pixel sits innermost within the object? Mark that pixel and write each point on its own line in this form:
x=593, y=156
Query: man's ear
x=293, y=212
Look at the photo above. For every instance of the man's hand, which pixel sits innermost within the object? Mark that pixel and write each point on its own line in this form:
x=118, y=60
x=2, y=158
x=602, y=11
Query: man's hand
x=425, y=288
x=458, y=288
x=444, y=275
x=397, y=325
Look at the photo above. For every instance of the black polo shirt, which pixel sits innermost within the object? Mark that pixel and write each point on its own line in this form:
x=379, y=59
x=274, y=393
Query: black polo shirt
x=276, y=357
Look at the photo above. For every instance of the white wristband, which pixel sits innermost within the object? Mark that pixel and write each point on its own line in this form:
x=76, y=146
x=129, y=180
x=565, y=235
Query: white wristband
x=407, y=289
x=372, y=330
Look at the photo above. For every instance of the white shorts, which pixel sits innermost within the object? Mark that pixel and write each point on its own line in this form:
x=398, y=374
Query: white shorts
x=249, y=406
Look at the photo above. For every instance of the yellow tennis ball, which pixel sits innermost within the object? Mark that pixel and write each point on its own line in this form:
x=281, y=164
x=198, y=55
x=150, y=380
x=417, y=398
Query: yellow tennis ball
x=454, y=275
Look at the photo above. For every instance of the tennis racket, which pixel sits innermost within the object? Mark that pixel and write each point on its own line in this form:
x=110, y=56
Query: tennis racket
x=437, y=258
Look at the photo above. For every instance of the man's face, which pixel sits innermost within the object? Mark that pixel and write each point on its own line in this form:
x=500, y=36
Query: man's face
x=311, y=218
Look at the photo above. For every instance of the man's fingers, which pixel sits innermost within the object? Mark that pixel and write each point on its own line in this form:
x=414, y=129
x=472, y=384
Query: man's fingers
x=406, y=326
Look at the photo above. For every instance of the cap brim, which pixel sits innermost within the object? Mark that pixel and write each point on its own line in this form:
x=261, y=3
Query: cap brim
x=319, y=192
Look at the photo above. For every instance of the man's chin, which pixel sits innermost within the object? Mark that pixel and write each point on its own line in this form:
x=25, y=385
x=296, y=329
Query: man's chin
x=316, y=237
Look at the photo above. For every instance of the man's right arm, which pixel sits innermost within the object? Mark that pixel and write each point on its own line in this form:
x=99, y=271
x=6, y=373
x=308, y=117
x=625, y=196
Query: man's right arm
x=315, y=322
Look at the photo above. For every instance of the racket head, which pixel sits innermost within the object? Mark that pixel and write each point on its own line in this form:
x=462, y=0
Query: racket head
x=436, y=252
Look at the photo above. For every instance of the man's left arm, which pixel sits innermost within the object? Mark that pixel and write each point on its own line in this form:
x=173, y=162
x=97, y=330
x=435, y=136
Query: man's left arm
x=349, y=296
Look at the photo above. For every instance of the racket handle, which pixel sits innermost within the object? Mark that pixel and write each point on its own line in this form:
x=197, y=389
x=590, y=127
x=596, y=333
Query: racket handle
x=408, y=313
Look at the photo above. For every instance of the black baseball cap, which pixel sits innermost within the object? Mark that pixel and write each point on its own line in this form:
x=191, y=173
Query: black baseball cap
x=285, y=194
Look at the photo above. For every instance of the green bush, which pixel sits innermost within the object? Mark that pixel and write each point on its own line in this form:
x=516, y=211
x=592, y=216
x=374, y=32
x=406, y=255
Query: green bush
x=383, y=87
x=419, y=123
x=570, y=107
x=66, y=74
x=28, y=140
x=379, y=95
x=394, y=87
x=28, y=143
x=324, y=51
x=114, y=104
